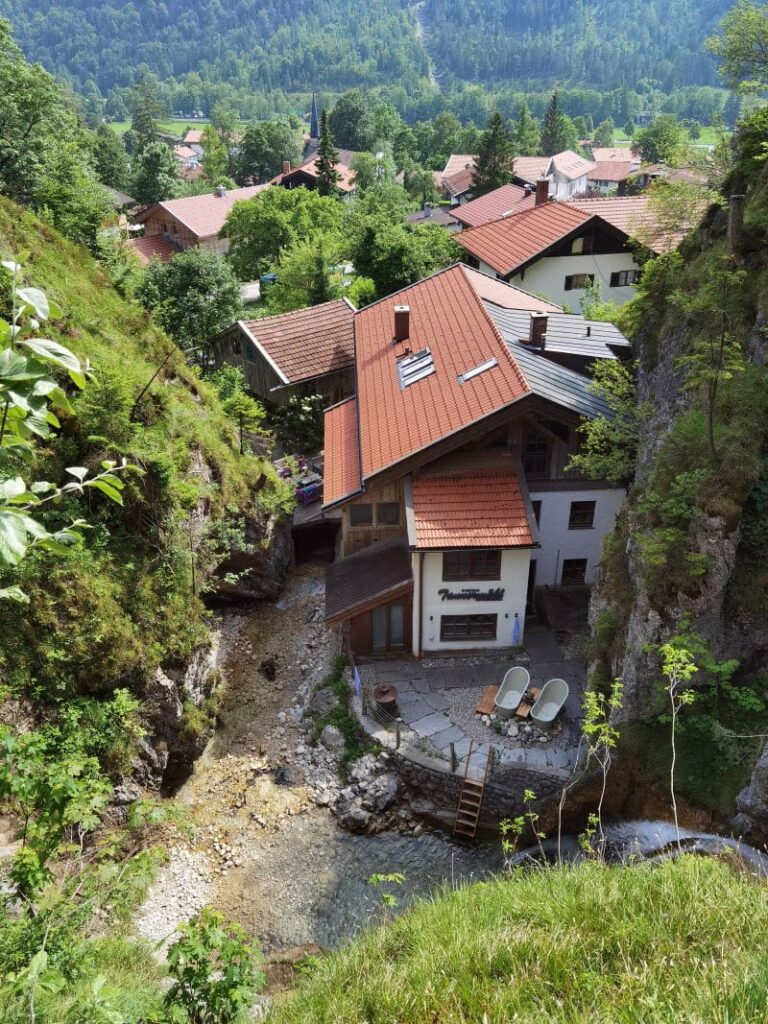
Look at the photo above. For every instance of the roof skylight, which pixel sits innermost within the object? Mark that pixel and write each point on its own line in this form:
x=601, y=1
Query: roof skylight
x=477, y=370
x=415, y=367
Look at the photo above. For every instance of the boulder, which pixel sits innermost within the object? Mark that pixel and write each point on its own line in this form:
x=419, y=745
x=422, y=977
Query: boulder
x=332, y=738
x=381, y=792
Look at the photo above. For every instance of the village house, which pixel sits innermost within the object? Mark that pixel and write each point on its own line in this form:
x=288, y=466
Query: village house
x=501, y=202
x=568, y=174
x=308, y=351
x=193, y=140
x=559, y=249
x=451, y=466
x=305, y=176
x=194, y=221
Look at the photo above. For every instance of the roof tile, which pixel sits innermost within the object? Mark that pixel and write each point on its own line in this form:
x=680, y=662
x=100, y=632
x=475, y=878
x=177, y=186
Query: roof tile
x=342, y=452
x=512, y=241
x=153, y=247
x=470, y=510
x=205, y=215
x=308, y=342
x=493, y=205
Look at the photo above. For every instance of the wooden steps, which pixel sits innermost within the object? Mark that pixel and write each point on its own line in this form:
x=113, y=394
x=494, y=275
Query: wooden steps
x=470, y=802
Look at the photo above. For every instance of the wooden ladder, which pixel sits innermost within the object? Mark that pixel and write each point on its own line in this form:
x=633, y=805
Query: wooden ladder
x=470, y=801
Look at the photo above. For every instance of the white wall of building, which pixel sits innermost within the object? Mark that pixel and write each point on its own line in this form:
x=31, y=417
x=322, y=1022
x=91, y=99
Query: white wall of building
x=559, y=543
x=563, y=188
x=514, y=582
x=547, y=276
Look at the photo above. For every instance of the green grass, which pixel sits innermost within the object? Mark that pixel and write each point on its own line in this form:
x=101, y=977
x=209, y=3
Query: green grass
x=174, y=126
x=132, y=989
x=109, y=613
x=680, y=943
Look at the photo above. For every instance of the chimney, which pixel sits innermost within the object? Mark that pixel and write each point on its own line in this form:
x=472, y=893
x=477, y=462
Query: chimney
x=589, y=330
x=542, y=191
x=221, y=191
x=286, y=166
x=538, y=338
x=736, y=227
x=402, y=323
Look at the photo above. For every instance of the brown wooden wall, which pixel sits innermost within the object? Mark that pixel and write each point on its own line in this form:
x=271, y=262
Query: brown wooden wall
x=361, y=631
x=355, y=538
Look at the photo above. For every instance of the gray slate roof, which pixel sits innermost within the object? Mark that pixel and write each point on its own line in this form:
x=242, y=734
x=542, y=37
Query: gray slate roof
x=547, y=379
x=566, y=332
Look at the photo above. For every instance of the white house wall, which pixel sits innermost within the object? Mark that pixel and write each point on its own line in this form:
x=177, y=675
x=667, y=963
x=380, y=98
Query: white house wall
x=547, y=276
x=559, y=543
x=564, y=188
x=514, y=582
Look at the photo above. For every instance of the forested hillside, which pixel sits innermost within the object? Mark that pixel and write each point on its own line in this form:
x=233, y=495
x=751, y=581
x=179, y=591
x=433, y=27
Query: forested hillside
x=295, y=46
x=600, y=44
x=275, y=47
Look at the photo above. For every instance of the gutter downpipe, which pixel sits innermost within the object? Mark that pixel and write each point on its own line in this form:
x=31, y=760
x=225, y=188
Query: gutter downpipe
x=420, y=649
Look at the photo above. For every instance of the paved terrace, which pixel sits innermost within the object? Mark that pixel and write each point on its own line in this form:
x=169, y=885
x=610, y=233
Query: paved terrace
x=438, y=695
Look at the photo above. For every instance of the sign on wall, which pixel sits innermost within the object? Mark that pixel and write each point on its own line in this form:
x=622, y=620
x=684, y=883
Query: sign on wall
x=472, y=594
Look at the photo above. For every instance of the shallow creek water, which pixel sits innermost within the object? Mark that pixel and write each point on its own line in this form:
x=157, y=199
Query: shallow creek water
x=262, y=851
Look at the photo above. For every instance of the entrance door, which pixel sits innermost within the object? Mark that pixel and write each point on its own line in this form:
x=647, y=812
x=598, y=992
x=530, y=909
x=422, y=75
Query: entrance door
x=388, y=628
x=379, y=628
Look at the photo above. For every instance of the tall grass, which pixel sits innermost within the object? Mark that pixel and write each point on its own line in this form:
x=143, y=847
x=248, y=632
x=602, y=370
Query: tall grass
x=679, y=943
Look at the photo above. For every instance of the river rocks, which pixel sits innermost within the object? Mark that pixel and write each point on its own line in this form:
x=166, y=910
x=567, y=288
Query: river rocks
x=332, y=738
x=382, y=792
x=368, y=803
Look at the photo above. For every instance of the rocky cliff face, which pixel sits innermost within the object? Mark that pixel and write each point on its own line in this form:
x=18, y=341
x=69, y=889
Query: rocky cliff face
x=712, y=608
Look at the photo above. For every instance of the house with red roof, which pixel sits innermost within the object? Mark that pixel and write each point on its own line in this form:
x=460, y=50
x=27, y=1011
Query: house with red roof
x=450, y=465
x=195, y=221
x=559, y=249
x=307, y=351
x=305, y=176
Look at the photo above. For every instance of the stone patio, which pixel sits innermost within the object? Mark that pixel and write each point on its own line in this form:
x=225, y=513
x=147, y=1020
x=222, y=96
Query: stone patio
x=438, y=695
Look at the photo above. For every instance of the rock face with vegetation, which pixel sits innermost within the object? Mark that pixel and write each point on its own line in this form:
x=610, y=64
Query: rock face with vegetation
x=126, y=610
x=688, y=561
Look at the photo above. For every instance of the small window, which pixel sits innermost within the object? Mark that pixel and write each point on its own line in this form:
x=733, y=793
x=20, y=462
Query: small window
x=388, y=514
x=582, y=515
x=467, y=627
x=536, y=506
x=622, y=278
x=574, y=570
x=471, y=565
x=536, y=458
x=573, y=282
x=582, y=245
x=361, y=515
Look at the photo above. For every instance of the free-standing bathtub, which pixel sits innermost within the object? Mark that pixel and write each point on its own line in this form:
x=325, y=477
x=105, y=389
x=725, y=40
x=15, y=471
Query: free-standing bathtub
x=550, y=703
x=513, y=686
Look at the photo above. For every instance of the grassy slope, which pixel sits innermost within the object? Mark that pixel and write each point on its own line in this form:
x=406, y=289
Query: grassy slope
x=112, y=611
x=666, y=945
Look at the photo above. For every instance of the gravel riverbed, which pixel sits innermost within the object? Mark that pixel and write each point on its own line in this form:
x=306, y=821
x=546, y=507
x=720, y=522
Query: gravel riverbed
x=264, y=847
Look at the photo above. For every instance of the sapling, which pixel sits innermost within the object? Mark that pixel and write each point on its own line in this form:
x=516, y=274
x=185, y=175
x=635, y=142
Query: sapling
x=602, y=738
x=678, y=668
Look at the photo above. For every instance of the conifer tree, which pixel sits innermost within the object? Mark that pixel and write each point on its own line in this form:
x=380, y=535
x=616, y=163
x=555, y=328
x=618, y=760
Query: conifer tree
x=494, y=158
x=327, y=159
x=526, y=137
x=550, y=132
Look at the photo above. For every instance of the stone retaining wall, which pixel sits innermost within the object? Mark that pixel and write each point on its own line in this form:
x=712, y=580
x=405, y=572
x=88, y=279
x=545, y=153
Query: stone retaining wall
x=435, y=786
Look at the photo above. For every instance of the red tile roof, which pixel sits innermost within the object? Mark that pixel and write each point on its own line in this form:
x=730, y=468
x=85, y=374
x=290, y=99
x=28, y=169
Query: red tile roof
x=447, y=316
x=342, y=452
x=194, y=135
x=570, y=165
x=635, y=216
x=344, y=184
x=184, y=153
x=153, y=247
x=459, y=183
x=622, y=153
x=307, y=342
x=511, y=242
x=499, y=203
x=457, y=162
x=611, y=170
x=205, y=215
x=506, y=295
x=470, y=510
x=530, y=168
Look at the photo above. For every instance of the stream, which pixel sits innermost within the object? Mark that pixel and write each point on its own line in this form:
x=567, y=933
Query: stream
x=264, y=847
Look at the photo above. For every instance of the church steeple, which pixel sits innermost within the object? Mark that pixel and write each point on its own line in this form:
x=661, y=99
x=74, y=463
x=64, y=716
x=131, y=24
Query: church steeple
x=314, y=120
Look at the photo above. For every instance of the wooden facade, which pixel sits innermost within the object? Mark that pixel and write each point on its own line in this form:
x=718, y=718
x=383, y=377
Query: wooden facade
x=357, y=534
x=233, y=347
x=160, y=222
